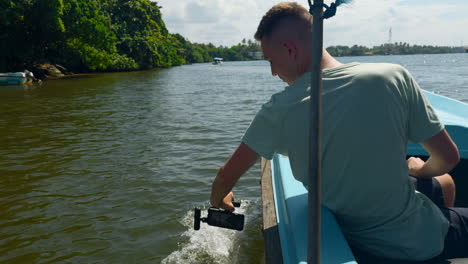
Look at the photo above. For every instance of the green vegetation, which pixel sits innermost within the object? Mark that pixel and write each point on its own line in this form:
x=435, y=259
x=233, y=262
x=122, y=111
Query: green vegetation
x=196, y=52
x=86, y=35
x=98, y=35
x=390, y=49
x=121, y=35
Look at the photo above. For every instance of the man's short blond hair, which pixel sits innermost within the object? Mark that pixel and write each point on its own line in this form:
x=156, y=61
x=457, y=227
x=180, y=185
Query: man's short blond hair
x=279, y=12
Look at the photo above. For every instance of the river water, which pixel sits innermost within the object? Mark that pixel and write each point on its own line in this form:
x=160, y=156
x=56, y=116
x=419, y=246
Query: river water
x=107, y=168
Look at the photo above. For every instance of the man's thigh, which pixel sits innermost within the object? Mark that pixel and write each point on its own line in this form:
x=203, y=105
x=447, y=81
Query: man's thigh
x=456, y=241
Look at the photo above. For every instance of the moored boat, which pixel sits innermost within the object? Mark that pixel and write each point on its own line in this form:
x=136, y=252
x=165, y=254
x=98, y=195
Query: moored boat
x=15, y=78
x=285, y=212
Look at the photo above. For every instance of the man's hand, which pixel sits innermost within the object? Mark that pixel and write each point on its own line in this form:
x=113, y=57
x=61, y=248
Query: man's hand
x=240, y=161
x=226, y=203
x=443, y=156
x=415, y=165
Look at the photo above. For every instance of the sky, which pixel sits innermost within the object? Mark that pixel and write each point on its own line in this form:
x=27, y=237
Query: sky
x=362, y=22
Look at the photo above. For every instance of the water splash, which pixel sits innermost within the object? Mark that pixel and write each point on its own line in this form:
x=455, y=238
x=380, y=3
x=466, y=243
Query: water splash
x=209, y=244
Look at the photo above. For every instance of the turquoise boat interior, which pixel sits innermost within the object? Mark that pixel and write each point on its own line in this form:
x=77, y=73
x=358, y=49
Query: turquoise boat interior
x=454, y=115
x=291, y=207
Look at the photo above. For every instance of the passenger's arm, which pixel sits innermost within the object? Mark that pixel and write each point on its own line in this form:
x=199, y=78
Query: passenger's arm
x=240, y=161
x=443, y=157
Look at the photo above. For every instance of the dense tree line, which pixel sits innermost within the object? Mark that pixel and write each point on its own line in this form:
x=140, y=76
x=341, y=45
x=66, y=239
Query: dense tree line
x=97, y=35
x=118, y=35
x=199, y=52
x=400, y=48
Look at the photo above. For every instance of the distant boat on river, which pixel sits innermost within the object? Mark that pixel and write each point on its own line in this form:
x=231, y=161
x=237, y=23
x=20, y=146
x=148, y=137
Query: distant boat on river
x=217, y=61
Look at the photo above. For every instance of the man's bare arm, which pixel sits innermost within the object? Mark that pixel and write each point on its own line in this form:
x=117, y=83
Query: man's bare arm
x=240, y=161
x=443, y=157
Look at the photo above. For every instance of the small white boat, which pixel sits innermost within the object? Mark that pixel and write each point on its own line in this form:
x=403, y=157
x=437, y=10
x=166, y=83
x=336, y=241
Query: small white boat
x=217, y=61
x=16, y=77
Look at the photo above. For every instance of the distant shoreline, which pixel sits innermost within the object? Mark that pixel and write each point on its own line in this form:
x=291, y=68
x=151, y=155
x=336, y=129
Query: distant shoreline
x=71, y=75
x=370, y=55
x=392, y=49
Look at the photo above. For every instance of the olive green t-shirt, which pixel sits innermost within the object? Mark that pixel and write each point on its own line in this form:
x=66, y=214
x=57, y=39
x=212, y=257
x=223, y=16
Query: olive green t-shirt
x=369, y=114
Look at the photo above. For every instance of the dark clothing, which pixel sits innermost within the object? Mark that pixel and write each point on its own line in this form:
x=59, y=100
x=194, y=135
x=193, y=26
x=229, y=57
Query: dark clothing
x=431, y=188
x=456, y=240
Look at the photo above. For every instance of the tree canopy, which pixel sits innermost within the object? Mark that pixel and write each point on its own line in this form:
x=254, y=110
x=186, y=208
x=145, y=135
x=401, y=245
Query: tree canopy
x=98, y=35
x=120, y=35
x=397, y=48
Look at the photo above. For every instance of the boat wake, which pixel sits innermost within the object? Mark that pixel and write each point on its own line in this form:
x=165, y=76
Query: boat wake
x=209, y=244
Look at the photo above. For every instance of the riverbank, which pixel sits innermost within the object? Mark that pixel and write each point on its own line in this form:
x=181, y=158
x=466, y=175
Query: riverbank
x=48, y=71
x=44, y=71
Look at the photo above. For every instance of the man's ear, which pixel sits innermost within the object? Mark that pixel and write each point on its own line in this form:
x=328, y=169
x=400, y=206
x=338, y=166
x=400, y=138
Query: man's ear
x=291, y=48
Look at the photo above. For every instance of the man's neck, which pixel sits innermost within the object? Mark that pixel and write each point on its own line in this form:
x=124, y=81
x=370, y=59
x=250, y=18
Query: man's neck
x=329, y=62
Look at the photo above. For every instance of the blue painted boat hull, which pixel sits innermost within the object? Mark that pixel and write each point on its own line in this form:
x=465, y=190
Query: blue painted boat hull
x=291, y=208
x=13, y=78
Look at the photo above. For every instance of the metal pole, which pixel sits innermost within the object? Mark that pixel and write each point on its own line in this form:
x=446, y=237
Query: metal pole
x=314, y=201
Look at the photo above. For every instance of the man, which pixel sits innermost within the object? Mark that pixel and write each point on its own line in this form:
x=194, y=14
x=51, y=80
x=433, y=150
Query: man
x=370, y=112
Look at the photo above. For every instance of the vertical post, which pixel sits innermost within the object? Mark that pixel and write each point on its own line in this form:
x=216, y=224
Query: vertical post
x=314, y=201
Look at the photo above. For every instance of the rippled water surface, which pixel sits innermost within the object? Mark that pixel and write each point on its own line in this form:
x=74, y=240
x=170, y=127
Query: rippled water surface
x=107, y=168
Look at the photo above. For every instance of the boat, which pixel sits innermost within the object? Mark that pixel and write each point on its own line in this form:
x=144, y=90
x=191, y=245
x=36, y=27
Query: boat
x=285, y=199
x=12, y=78
x=217, y=61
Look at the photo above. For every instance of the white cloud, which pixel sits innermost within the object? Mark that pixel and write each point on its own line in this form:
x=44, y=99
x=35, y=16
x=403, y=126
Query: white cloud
x=222, y=22
x=363, y=22
x=197, y=13
x=367, y=22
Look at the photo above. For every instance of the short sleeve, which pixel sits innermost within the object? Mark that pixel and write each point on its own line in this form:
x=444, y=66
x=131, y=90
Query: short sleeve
x=263, y=134
x=423, y=122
